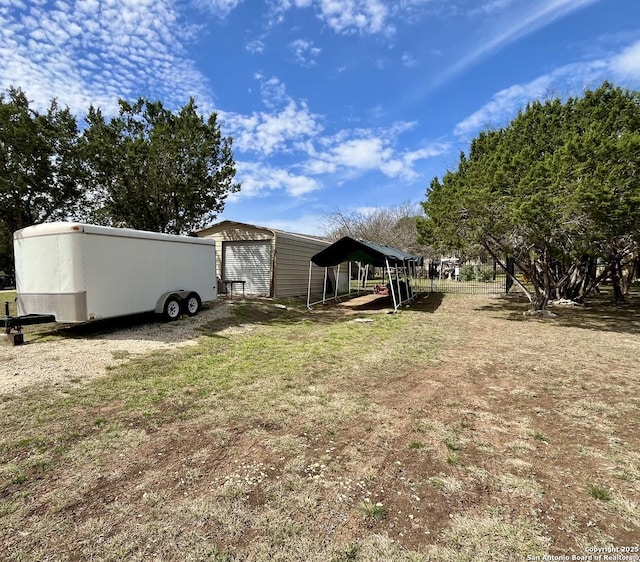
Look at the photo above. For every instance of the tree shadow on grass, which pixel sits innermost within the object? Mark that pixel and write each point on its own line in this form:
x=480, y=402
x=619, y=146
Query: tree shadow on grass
x=95, y=328
x=241, y=314
x=423, y=302
x=294, y=311
x=599, y=313
x=427, y=302
x=149, y=326
x=252, y=312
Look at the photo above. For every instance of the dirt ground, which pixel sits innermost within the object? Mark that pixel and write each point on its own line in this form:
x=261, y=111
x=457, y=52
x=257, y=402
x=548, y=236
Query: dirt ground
x=520, y=439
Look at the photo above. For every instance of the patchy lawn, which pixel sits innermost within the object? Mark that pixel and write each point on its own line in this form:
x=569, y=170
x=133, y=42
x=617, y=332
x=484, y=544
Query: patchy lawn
x=455, y=430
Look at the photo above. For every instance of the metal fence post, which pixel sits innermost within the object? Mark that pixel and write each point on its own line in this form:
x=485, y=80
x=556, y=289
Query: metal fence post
x=510, y=273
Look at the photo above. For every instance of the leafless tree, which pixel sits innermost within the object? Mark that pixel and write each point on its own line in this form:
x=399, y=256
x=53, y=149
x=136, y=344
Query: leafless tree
x=392, y=226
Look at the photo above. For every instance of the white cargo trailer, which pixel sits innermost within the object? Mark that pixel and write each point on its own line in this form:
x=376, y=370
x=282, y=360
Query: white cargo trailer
x=80, y=272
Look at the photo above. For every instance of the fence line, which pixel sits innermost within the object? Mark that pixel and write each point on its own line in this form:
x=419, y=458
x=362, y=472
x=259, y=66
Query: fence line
x=452, y=276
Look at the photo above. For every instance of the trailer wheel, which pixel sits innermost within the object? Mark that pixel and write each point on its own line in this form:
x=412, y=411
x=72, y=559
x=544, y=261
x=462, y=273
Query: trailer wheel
x=192, y=304
x=172, y=309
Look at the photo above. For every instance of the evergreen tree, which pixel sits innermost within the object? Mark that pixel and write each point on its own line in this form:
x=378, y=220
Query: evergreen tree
x=155, y=170
x=39, y=167
x=556, y=190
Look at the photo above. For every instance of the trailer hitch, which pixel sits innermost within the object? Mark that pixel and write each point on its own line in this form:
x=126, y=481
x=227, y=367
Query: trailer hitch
x=12, y=329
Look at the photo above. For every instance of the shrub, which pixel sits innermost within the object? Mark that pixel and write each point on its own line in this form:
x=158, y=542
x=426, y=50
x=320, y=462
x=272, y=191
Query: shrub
x=467, y=272
x=484, y=274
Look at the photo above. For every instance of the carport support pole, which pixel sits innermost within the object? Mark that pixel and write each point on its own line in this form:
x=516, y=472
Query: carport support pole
x=335, y=292
x=412, y=277
x=393, y=292
x=405, y=266
x=324, y=285
x=309, y=287
x=362, y=276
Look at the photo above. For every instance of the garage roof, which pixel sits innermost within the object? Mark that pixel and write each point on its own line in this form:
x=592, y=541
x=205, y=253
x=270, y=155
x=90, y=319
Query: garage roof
x=229, y=224
x=350, y=249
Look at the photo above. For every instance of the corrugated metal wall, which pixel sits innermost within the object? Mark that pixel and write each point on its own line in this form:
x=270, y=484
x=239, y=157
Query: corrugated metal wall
x=293, y=254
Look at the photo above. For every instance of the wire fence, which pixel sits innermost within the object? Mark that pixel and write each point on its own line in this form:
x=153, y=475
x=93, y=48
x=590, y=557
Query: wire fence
x=452, y=276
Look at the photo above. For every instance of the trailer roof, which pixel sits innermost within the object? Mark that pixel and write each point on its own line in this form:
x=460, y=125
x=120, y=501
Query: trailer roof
x=56, y=228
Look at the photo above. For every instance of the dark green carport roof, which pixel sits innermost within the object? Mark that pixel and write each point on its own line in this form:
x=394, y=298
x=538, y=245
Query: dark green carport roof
x=349, y=249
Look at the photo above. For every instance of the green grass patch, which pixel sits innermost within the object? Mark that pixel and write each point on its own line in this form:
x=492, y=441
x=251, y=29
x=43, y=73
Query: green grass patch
x=10, y=297
x=539, y=436
x=599, y=493
x=373, y=511
x=453, y=458
x=453, y=443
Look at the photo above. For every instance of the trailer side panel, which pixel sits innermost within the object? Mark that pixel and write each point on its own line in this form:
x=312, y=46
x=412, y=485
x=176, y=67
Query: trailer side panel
x=138, y=270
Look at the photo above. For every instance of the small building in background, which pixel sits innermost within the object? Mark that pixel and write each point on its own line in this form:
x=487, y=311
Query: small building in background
x=271, y=262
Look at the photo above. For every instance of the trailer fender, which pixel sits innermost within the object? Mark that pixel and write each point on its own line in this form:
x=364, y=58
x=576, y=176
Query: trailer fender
x=170, y=304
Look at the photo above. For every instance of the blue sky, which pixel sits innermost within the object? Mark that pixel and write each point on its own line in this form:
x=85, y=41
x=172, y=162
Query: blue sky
x=332, y=104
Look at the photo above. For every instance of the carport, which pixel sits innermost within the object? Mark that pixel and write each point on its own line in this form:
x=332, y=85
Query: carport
x=397, y=264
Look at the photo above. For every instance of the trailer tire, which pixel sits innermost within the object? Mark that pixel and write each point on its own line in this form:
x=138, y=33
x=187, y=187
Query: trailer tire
x=192, y=304
x=172, y=309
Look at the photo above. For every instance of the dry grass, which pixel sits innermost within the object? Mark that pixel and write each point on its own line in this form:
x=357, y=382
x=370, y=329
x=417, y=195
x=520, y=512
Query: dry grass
x=455, y=430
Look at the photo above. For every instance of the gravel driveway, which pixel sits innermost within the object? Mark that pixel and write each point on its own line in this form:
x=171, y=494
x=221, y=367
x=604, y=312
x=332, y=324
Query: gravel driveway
x=70, y=361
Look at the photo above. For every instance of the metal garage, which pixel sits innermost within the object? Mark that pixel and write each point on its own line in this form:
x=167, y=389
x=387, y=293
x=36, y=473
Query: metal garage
x=271, y=262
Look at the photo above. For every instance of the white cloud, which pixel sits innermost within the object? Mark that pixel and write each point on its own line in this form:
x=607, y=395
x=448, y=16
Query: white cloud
x=255, y=47
x=349, y=16
x=266, y=133
x=363, y=154
x=408, y=60
x=219, y=8
x=342, y=16
x=432, y=150
x=304, y=52
x=491, y=6
x=312, y=225
x=289, y=128
x=259, y=179
x=285, y=123
x=517, y=24
x=627, y=64
x=273, y=92
x=95, y=51
x=503, y=106
x=368, y=151
x=567, y=80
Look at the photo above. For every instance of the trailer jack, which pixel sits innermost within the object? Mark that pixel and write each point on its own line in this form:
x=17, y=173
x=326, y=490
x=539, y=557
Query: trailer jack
x=13, y=324
x=14, y=338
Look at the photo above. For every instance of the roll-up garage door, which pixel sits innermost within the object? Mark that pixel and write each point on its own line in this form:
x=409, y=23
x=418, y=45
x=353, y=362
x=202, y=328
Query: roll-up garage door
x=248, y=260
